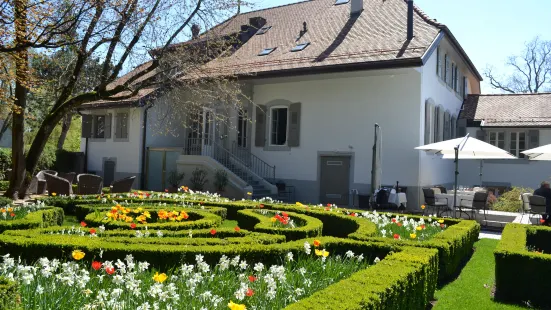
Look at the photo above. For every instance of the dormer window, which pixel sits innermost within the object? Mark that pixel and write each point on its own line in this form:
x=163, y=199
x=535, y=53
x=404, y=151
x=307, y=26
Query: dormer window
x=263, y=30
x=339, y=2
x=267, y=51
x=300, y=47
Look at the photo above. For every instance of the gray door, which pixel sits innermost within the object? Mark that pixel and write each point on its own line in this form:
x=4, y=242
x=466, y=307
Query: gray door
x=108, y=172
x=335, y=180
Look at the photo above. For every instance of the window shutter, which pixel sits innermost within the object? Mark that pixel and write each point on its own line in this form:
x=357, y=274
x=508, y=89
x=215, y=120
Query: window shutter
x=438, y=64
x=294, y=125
x=533, y=139
x=453, y=125
x=108, y=126
x=427, y=122
x=260, y=126
x=461, y=127
x=481, y=135
x=124, y=126
x=118, y=132
x=447, y=126
x=86, y=126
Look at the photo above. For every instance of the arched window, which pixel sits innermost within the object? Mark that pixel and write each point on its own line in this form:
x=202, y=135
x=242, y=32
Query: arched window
x=437, y=124
x=447, y=126
x=429, y=125
x=454, y=127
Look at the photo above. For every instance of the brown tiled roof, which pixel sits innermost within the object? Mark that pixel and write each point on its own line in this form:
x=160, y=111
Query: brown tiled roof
x=377, y=35
x=509, y=110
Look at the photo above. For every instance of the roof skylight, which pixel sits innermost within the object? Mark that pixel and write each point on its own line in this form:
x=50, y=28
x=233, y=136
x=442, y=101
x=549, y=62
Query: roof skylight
x=338, y=2
x=263, y=30
x=267, y=51
x=299, y=47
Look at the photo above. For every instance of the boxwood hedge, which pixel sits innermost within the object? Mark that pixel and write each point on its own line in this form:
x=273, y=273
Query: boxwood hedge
x=9, y=295
x=522, y=269
x=36, y=219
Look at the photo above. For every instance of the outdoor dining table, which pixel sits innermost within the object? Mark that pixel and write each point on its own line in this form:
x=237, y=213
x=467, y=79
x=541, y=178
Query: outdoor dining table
x=397, y=198
x=449, y=196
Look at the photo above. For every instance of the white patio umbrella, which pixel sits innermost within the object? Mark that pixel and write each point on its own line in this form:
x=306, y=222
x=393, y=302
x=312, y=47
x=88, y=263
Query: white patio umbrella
x=505, y=155
x=539, y=153
x=464, y=148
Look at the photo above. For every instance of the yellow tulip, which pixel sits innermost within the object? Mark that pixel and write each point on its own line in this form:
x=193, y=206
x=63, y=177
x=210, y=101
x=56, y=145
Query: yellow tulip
x=54, y=194
x=299, y=204
x=441, y=221
x=273, y=219
x=419, y=228
x=423, y=207
x=323, y=253
x=234, y=306
x=78, y=254
x=249, y=193
x=159, y=277
x=412, y=236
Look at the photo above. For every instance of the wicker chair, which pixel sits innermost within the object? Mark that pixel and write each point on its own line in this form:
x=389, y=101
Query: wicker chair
x=431, y=201
x=38, y=182
x=89, y=184
x=69, y=176
x=122, y=185
x=58, y=185
x=479, y=202
x=537, y=205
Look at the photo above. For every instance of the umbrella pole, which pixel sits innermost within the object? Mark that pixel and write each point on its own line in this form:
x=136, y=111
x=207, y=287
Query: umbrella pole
x=455, y=181
x=480, y=175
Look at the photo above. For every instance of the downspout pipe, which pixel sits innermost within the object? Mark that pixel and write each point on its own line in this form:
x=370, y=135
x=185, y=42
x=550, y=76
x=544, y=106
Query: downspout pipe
x=144, y=146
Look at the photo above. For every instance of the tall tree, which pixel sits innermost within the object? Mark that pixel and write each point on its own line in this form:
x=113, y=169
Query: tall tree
x=119, y=33
x=531, y=70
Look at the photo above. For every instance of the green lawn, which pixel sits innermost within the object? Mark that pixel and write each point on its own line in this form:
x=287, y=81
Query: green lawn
x=473, y=288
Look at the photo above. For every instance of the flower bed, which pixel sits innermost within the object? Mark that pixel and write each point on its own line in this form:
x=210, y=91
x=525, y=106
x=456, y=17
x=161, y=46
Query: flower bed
x=30, y=216
x=522, y=275
x=255, y=220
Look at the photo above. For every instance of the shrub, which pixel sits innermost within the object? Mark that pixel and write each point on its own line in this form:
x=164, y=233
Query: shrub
x=510, y=201
x=521, y=275
x=198, y=179
x=4, y=185
x=175, y=178
x=4, y=201
x=252, y=220
x=9, y=295
x=36, y=219
x=221, y=180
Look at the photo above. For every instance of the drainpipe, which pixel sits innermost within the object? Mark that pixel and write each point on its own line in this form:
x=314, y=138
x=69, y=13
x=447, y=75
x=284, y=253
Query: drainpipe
x=85, y=150
x=144, y=148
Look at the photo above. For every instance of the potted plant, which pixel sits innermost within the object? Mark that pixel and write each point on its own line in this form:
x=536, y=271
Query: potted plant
x=220, y=180
x=198, y=179
x=174, y=179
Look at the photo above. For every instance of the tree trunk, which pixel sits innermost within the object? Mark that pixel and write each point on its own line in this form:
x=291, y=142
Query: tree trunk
x=65, y=126
x=18, y=109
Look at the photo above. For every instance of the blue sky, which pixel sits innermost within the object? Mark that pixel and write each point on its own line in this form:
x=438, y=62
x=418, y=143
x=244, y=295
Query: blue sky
x=488, y=30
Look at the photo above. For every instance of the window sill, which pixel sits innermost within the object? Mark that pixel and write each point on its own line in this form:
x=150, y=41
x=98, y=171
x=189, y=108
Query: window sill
x=121, y=140
x=277, y=148
x=98, y=139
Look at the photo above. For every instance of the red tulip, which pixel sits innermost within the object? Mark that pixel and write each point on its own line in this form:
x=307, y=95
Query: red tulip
x=250, y=292
x=110, y=270
x=166, y=190
x=133, y=225
x=252, y=278
x=393, y=220
x=396, y=236
x=261, y=206
x=237, y=228
x=96, y=265
x=12, y=214
x=92, y=231
x=213, y=231
x=83, y=224
x=542, y=221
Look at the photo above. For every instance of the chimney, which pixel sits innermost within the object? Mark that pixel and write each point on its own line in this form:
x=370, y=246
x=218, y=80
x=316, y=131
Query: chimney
x=356, y=7
x=195, y=29
x=410, y=20
x=257, y=22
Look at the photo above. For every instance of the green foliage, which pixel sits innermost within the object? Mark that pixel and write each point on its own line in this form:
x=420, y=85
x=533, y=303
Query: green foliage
x=309, y=226
x=4, y=185
x=9, y=295
x=510, y=201
x=4, y=201
x=198, y=179
x=221, y=179
x=5, y=162
x=37, y=219
x=522, y=275
x=408, y=282
x=175, y=178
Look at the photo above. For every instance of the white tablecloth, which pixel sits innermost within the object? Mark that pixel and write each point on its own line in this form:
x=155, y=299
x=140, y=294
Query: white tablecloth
x=397, y=199
x=463, y=196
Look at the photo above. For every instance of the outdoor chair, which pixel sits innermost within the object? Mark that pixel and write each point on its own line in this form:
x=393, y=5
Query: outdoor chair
x=69, y=176
x=436, y=190
x=89, y=184
x=122, y=185
x=442, y=189
x=285, y=192
x=431, y=201
x=525, y=206
x=479, y=202
x=537, y=205
x=38, y=182
x=58, y=185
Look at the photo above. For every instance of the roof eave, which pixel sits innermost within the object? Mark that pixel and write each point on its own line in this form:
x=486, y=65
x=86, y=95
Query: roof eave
x=464, y=55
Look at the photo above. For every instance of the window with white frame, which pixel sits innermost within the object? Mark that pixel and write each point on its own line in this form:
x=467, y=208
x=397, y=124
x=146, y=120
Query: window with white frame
x=497, y=138
x=99, y=126
x=447, y=78
x=278, y=125
x=121, y=126
x=517, y=143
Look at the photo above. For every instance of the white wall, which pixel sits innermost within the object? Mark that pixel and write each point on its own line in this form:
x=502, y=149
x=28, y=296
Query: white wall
x=435, y=170
x=338, y=114
x=127, y=154
x=514, y=172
